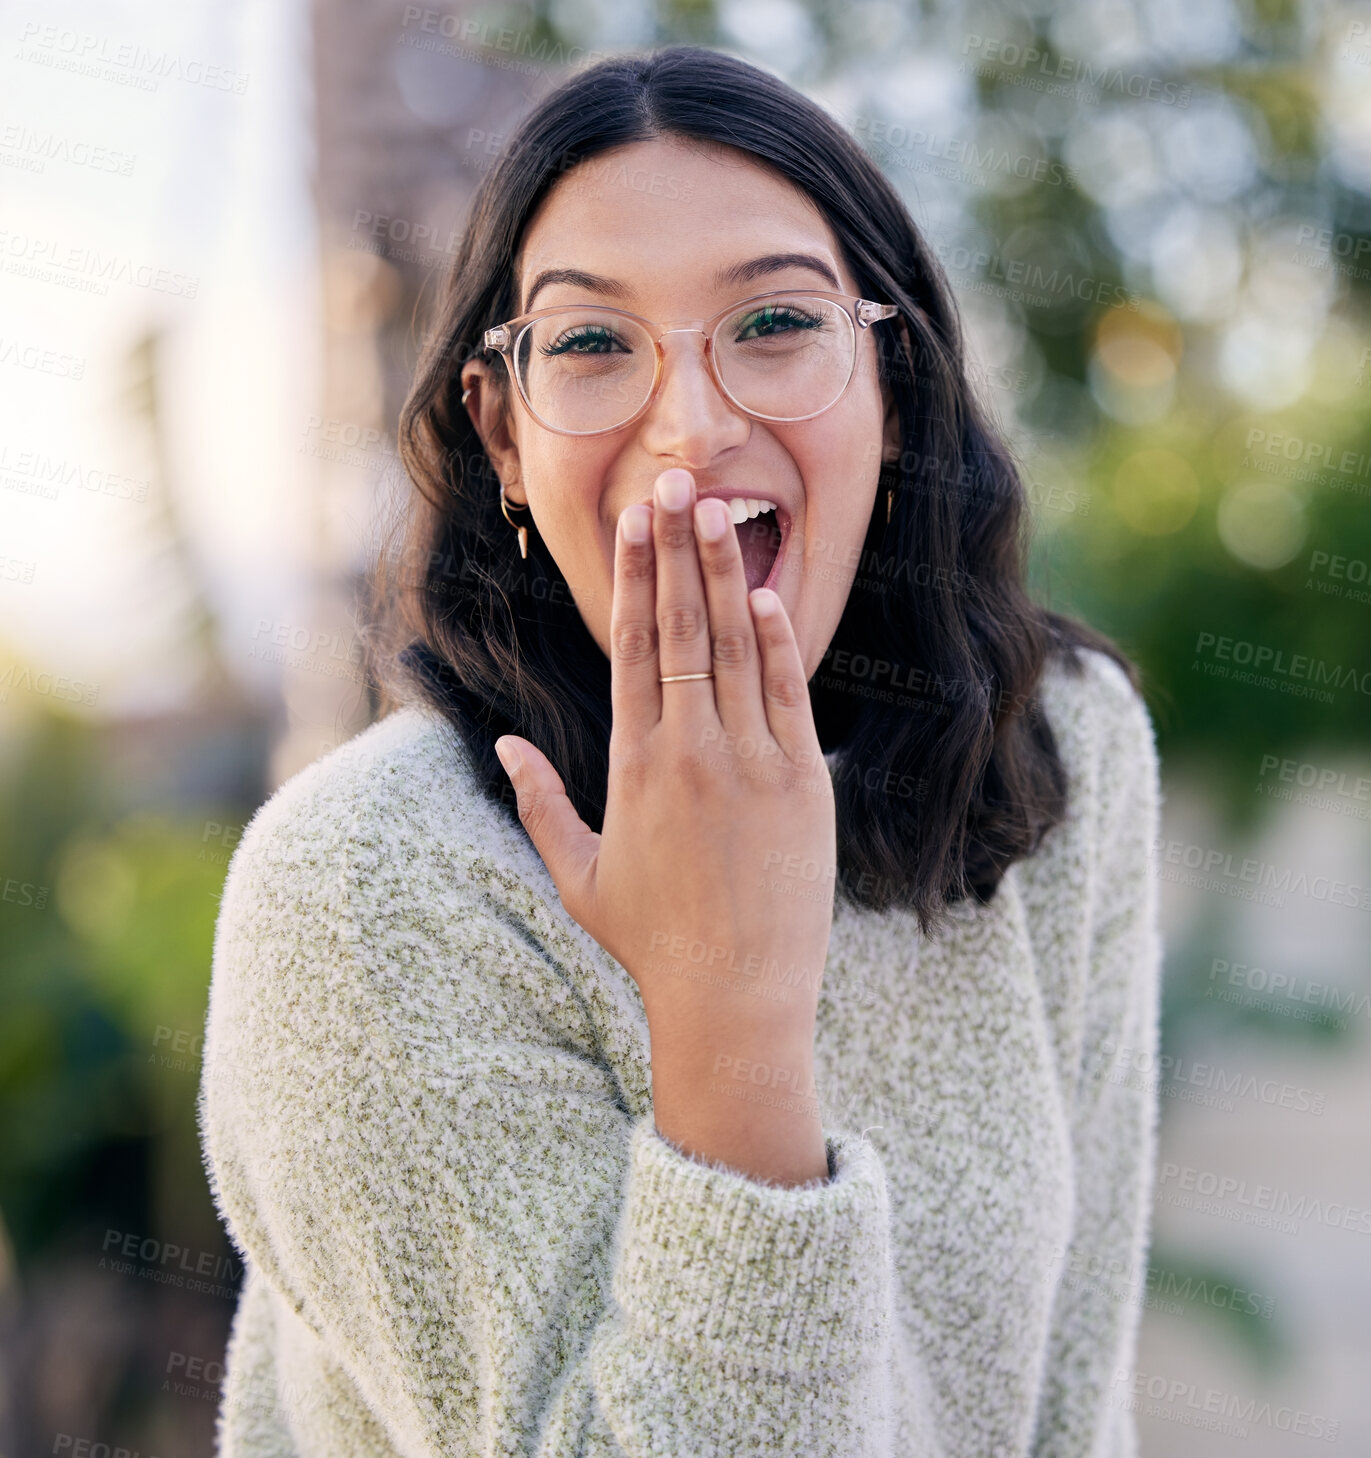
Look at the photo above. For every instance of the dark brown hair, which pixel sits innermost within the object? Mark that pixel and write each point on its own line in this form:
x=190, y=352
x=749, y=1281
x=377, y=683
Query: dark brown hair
x=948, y=771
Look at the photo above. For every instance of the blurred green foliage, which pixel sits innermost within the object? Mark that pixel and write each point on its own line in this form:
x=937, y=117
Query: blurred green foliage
x=107, y=923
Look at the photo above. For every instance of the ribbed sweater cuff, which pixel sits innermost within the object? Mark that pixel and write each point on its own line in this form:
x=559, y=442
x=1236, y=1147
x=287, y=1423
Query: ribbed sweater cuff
x=731, y=1271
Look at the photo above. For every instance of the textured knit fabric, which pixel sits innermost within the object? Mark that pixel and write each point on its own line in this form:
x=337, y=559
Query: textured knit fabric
x=426, y=1112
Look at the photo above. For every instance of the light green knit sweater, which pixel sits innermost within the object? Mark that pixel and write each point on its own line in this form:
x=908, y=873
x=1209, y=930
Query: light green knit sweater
x=427, y=1118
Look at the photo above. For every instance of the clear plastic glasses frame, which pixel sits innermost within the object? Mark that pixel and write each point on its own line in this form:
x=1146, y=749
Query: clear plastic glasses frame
x=504, y=339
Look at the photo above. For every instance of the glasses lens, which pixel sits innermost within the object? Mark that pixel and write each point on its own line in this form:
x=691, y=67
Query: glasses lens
x=582, y=369
x=786, y=358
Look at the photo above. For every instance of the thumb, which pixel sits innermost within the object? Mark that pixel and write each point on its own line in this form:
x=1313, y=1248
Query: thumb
x=566, y=843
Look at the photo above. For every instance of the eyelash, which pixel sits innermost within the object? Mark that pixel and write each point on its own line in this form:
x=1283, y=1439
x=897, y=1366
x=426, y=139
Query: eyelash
x=770, y=316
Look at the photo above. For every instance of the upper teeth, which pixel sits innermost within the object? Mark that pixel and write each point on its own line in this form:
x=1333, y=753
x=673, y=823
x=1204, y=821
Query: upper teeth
x=743, y=507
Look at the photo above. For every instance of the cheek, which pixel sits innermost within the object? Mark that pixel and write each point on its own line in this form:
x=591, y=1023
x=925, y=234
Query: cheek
x=566, y=488
x=566, y=485
x=840, y=467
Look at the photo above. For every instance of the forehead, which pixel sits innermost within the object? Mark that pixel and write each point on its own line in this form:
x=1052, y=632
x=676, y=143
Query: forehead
x=662, y=214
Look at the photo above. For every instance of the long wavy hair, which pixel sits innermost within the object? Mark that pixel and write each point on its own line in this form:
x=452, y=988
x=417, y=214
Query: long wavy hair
x=947, y=770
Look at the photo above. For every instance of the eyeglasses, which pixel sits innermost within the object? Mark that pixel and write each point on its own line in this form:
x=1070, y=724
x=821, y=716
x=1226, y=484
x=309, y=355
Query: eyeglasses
x=585, y=370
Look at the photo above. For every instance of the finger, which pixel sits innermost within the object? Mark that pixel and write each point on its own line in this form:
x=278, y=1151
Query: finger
x=733, y=639
x=785, y=691
x=682, y=622
x=635, y=694
x=568, y=846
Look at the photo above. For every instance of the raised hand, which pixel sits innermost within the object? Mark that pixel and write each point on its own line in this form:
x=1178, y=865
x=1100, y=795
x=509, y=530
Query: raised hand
x=714, y=784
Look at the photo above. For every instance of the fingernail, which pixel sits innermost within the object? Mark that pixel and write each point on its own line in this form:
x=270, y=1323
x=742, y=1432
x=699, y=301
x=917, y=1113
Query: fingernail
x=673, y=489
x=764, y=601
x=712, y=519
x=637, y=524
x=508, y=754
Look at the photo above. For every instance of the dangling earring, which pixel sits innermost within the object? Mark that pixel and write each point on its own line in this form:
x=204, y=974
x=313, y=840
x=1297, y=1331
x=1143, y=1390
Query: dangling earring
x=505, y=504
x=522, y=530
x=889, y=503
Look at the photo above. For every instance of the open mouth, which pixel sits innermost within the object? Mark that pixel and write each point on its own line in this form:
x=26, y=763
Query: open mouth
x=761, y=537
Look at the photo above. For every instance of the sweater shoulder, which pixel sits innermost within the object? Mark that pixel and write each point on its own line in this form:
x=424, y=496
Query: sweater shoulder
x=384, y=871
x=1103, y=731
x=383, y=840
x=386, y=792
x=1084, y=687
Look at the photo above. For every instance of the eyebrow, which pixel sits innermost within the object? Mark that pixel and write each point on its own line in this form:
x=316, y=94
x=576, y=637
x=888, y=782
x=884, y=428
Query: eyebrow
x=736, y=273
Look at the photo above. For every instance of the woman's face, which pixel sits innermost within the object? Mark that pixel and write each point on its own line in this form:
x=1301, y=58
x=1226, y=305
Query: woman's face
x=682, y=233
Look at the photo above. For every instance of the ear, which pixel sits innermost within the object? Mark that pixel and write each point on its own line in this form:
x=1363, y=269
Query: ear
x=491, y=423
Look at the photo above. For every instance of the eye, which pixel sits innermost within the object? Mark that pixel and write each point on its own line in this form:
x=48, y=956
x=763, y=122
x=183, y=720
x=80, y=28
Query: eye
x=773, y=319
x=583, y=339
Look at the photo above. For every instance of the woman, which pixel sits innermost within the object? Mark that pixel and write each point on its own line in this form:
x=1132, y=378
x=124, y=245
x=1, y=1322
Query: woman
x=729, y=1077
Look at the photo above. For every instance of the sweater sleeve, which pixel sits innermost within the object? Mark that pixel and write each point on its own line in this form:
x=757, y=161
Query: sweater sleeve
x=1083, y=1406
x=458, y=1228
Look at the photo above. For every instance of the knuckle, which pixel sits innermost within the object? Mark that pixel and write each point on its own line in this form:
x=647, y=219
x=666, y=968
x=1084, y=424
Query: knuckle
x=630, y=762
x=676, y=532
x=683, y=762
x=532, y=806
x=717, y=560
x=633, y=643
x=732, y=649
x=680, y=622
x=636, y=564
x=784, y=690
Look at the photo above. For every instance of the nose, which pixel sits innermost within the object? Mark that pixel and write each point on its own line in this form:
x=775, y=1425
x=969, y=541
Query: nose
x=691, y=421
